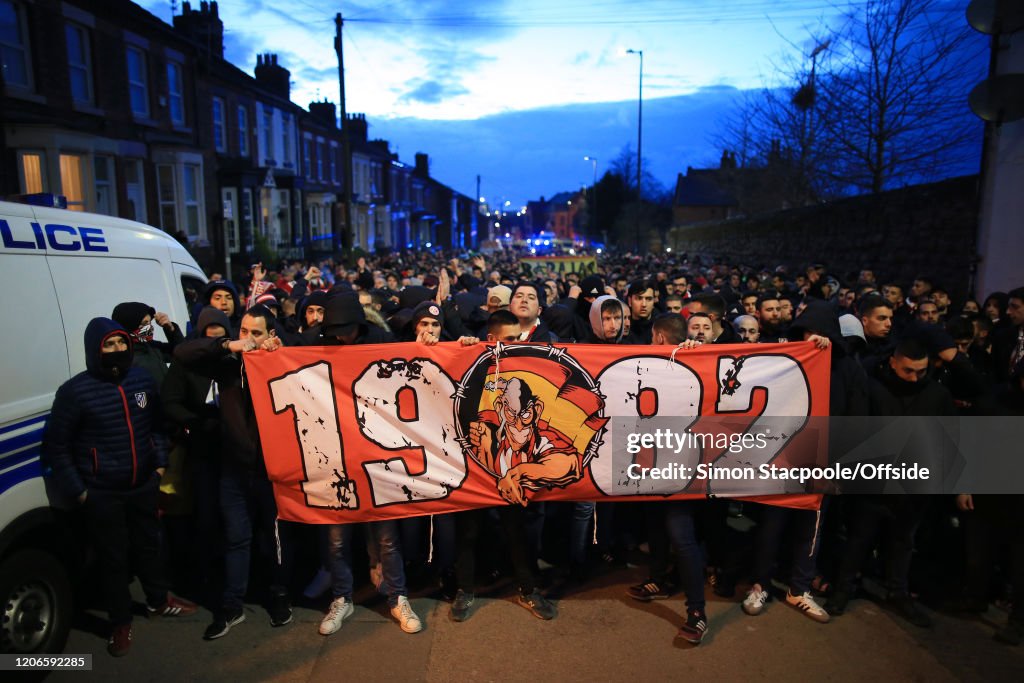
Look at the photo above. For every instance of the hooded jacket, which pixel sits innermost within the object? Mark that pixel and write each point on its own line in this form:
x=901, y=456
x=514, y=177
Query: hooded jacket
x=848, y=386
x=213, y=286
x=152, y=356
x=102, y=431
x=596, y=325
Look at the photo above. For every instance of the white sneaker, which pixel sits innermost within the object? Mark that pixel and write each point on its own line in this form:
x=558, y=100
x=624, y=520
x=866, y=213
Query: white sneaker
x=319, y=585
x=755, y=601
x=339, y=610
x=407, y=619
x=806, y=604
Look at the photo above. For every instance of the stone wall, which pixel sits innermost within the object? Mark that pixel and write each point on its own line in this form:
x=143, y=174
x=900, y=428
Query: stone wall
x=924, y=229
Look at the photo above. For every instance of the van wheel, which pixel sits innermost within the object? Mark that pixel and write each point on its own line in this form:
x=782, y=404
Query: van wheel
x=36, y=603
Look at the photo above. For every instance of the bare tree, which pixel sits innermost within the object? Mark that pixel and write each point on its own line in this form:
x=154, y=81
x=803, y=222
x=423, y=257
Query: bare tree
x=878, y=101
x=895, y=97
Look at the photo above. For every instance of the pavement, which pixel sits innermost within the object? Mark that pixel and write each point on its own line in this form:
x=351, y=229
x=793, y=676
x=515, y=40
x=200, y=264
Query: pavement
x=598, y=635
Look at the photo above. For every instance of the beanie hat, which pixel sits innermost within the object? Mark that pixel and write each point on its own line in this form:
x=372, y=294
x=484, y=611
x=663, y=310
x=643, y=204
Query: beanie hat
x=130, y=314
x=427, y=309
x=592, y=285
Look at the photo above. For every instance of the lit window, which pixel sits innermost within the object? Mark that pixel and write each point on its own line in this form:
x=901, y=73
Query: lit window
x=71, y=185
x=33, y=172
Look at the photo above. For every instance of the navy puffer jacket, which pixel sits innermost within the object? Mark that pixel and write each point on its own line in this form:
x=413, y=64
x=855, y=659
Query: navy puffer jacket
x=102, y=429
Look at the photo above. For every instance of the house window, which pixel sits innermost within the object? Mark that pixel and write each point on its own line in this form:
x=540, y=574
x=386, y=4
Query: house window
x=33, y=172
x=103, y=185
x=180, y=191
x=321, y=152
x=268, y=133
x=229, y=199
x=138, y=89
x=334, y=164
x=243, y=131
x=72, y=184
x=175, y=98
x=247, y=215
x=307, y=158
x=79, y=62
x=134, y=190
x=284, y=214
x=14, y=59
x=191, y=196
x=286, y=142
x=219, y=137
x=167, y=193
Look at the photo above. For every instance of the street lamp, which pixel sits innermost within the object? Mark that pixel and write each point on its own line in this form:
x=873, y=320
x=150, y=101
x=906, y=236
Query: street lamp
x=593, y=198
x=639, y=141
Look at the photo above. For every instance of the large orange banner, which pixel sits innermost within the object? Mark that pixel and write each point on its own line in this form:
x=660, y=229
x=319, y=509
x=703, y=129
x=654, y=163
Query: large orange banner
x=361, y=433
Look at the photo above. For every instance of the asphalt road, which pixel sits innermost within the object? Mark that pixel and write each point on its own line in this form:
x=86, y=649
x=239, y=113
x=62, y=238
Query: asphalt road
x=599, y=635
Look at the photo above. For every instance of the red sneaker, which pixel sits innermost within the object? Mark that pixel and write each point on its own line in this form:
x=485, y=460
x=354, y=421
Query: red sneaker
x=174, y=607
x=120, y=640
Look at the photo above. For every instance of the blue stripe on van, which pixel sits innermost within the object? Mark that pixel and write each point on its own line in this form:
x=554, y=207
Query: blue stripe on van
x=23, y=473
x=24, y=456
x=41, y=419
x=19, y=442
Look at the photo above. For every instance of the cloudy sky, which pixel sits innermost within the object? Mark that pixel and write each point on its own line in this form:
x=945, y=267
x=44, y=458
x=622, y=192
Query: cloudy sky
x=519, y=91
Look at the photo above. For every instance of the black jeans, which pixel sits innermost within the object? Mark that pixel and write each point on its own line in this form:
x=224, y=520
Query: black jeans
x=513, y=521
x=125, y=533
x=901, y=514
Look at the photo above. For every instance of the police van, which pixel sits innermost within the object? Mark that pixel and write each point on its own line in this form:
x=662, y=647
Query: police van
x=61, y=269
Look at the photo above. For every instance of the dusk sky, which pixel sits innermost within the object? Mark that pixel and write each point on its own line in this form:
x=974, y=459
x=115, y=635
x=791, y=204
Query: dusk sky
x=519, y=91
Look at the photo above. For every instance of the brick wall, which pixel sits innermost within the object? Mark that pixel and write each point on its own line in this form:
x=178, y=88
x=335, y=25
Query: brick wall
x=924, y=229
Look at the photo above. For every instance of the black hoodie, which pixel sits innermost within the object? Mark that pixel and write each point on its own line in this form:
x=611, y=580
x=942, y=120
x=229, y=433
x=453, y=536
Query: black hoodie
x=102, y=431
x=848, y=390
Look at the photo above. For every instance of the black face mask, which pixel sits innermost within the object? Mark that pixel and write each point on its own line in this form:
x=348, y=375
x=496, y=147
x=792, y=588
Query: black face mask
x=116, y=363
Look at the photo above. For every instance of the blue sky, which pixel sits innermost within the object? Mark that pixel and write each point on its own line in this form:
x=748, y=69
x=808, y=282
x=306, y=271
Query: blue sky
x=520, y=90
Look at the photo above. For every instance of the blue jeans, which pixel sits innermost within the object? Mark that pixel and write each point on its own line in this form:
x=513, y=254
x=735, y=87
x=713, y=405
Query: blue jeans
x=382, y=544
x=804, y=528
x=247, y=506
x=339, y=559
x=689, y=559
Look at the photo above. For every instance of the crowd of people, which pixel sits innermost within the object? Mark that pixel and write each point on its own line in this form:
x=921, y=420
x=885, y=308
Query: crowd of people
x=158, y=443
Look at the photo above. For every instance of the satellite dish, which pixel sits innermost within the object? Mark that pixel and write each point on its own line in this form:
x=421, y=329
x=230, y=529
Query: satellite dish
x=999, y=99
x=996, y=16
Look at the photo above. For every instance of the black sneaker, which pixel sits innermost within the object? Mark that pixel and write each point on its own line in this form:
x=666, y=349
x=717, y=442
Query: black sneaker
x=222, y=623
x=651, y=590
x=837, y=602
x=460, y=606
x=907, y=607
x=695, y=628
x=280, y=610
x=538, y=605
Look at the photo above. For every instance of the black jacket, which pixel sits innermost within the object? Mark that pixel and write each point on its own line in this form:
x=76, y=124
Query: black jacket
x=208, y=357
x=848, y=383
x=103, y=432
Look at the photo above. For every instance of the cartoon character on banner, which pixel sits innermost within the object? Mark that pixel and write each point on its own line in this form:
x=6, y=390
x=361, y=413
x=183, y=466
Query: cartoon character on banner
x=534, y=420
